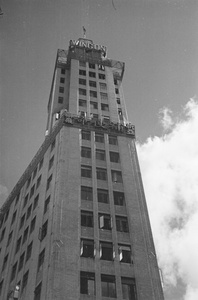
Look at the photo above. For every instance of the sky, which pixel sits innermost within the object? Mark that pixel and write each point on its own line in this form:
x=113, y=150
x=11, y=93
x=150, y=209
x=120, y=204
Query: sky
x=157, y=40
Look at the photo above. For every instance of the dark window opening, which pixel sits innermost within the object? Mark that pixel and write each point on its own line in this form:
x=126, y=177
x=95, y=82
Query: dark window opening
x=103, y=196
x=86, y=218
x=113, y=140
x=125, y=253
x=99, y=137
x=119, y=198
x=122, y=224
x=105, y=222
x=86, y=193
x=108, y=286
x=106, y=251
x=128, y=288
x=87, y=248
x=101, y=174
x=86, y=135
x=114, y=157
x=87, y=283
x=86, y=152
x=100, y=154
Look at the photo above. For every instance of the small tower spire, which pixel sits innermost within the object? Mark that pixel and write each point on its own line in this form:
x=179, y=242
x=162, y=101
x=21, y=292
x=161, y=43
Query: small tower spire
x=84, y=32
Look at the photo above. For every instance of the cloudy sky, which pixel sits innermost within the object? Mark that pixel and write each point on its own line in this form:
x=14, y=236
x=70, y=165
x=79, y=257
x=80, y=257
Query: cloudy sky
x=157, y=39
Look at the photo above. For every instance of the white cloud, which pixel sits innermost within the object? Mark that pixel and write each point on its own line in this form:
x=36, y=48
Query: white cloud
x=169, y=166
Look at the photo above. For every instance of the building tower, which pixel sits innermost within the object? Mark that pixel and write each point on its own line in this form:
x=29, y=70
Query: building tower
x=76, y=224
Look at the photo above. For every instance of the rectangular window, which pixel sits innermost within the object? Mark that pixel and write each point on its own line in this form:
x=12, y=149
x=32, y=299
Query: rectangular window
x=25, y=200
x=116, y=176
x=49, y=182
x=103, y=96
x=116, y=91
x=17, y=199
x=43, y=231
x=62, y=71
x=93, y=94
x=108, y=286
x=41, y=260
x=103, y=86
x=22, y=221
x=82, y=103
x=25, y=280
x=82, y=72
x=106, y=251
x=82, y=92
x=101, y=76
x=61, y=89
x=92, y=74
x=128, y=288
x=60, y=100
x=103, y=196
x=86, y=152
x=95, y=116
x=101, y=67
x=34, y=174
x=119, y=198
x=46, y=205
x=87, y=283
x=62, y=80
x=38, y=182
x=13, y=273
x=91, y=66
x=99, y=137
x=114, y=157
x=82, y=81
x=118, y=100
x=115, y=81
x=104, y=107
x=86, y=135
x=124, y=253
x=9, y=238
x=100, y=154
x=53, y=145
x=29, y=251
x=113, y=140
x=92, y=83
x=101, y=174
x=37, y=292
x=5, y=261
x=13, y=217
x=29, y=211
x=86, y=193
x=86, y=171
x=18, y=244
x=32, y=191
x=25, y=235
x=122, y=224
x=86, y=218
x=28, y=182
x=36, y=202
x=51, y=162
x=82, y=63
x=41, y=163
x=105, y=221
x=2, y=235
x=32, y=225
x=93, y=105
x=87, y=248
x=21, y=261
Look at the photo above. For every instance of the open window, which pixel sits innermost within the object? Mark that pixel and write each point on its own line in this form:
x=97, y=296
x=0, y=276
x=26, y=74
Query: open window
x=87, y=283
x=125, y=253
x=105, y=221
x=87, y=248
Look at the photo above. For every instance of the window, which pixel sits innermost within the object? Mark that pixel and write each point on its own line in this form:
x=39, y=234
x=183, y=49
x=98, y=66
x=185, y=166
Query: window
x=113, y=140
x=106, y=251
x=93, y=105
x=41, y=164
x=13, y=217
x=103, y=196
x=25, y=200
x=114, y=157
x=119, y=198
x=87, y=248
x=32, y=191
x=122, y=224
x=25, y=280
x=49, y=182
x=103, y=96
x=105, y=222
x=101, y=67
x=34, y=174
x=29, y=211
x=128, y=288
x=46, y=205
x=2, y=235
x=1, y=286
x=21, y=260
x=82, y=63
x=86, y=193
x=38, y=182
x=103, y=86
x=101, y=174
x=86, y=135
x=32, y=225
x=100, y=154
x=5, y=261
x=82, y=81
x=86, y=152
x=124, y=253
x=101, y=76
x=115, y=81
x=62, y=71
x=13, y=273
x=86, y=218
x=108, y=286
x=29, y=251
x=9, y=238
x=87, y=283
x=92, y=74
x=43, y=231
x=116, y=176
x=41, y=260
x=37, y=292
x=95, y=116
x=116, y=91
x=17, y=199
x=28, y=182
x=25, y=235
x=91, y=66
x=62, y=80
x=53, y=145
x=51, y=162
x=60, y=100
x=82, y=92
x=93, y=94
x=99, y=137
x=86, y=171
x=106, y=119
x=82, y=72
x=105, y=107
x=118, y=100
x=18, y=244
x=36, y=202
x=61, y=89
x=22, y=221
x=92, y=83
x=82, y=103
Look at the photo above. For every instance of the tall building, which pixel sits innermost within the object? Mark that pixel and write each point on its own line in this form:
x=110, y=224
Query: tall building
x=76, y=224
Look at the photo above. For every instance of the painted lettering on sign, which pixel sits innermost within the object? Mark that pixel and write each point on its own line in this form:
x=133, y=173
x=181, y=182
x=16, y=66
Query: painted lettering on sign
x=87, y=44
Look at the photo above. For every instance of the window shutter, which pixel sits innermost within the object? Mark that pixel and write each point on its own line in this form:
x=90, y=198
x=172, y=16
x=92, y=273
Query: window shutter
x=111, y=222
x=94, y=249
x=115, y=177
x=102, y=222
x=100, y=250
x=81, y=248
x=113, y=252
x=120, y=253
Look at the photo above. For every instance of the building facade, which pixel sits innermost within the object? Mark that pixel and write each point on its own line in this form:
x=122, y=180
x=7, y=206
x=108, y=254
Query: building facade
x=76, y=225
